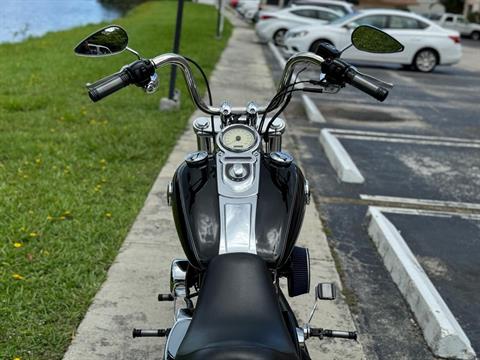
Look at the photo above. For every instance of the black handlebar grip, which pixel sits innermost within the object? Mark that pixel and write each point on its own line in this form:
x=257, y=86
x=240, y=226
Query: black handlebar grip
x=108, y=85
x=358, y=81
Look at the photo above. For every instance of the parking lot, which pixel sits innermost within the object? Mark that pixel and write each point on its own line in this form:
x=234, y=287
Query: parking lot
x=419, y=153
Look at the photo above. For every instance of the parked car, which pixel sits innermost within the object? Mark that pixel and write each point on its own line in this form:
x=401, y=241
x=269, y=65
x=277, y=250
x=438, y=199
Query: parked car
x=274, y=25
x=426, y=43
x=342, y=7
x=244, y=6
x=457, y=22
x=339, y=6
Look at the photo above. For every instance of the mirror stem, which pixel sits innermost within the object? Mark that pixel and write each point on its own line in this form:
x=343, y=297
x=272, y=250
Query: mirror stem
x=343, y=50
x=134, y=52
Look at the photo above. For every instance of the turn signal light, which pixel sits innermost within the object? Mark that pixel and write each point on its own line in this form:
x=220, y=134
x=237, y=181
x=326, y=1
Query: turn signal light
x=456, y=39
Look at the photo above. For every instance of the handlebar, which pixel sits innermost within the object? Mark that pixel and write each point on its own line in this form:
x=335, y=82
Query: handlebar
x=108, y=85
x=140, y=71
x=361, y=83
x=182, y=63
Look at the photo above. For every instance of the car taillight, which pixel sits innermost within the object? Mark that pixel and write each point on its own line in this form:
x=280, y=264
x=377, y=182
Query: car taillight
x=455, y=38
x=265, y=17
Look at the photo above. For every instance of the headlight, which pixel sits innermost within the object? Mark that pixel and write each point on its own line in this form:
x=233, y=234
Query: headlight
x=299, y=33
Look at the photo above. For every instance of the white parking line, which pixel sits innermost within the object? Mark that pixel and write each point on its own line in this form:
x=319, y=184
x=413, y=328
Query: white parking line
x=427, y=202
x=406, y=136
x=409, y=141
x=440, y=328
x=433, y=213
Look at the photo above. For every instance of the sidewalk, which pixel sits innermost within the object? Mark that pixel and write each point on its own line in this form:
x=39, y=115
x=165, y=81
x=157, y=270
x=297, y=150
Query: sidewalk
x=127, y=299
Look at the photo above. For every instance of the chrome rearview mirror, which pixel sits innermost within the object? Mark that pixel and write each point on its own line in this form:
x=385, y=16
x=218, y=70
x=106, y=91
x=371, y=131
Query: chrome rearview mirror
x=370, y=39
x=110, y=40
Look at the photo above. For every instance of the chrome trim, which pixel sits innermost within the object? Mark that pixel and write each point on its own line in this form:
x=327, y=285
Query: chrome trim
x=175, y=337
x=182, y=63
x=169, y=193
x=204, y=137
x=178, y=273
x=275, y=135
x=300, y=336
x=307, y=192
x=196, y=158
x=237, y=219
x=281, y=158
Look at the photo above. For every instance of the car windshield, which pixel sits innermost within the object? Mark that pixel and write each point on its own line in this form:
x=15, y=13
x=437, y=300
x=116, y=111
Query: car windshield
x=343, y=19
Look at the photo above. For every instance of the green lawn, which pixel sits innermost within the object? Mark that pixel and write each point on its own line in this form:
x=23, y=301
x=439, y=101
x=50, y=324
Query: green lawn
x=73, y=174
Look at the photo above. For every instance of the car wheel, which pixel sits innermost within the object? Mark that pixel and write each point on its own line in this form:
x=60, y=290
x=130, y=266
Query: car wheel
x=278, y=37
x=425, y=60
x=316, y=43
x=475, y=35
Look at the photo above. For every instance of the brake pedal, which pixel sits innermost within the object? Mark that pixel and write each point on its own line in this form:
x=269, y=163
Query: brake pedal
x=326, y=291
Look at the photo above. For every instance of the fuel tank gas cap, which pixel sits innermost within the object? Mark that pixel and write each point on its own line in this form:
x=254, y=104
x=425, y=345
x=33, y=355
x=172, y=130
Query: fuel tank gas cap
x=196, y=158
x=281, y=158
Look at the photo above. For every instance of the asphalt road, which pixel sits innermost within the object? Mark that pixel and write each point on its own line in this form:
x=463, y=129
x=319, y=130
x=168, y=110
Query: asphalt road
x=441, y=105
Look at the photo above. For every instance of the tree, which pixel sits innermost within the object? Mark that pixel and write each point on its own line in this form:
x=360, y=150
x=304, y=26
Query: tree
x=453, y=6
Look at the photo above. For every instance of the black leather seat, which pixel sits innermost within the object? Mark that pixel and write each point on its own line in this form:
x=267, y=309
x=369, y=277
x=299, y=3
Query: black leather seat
x=237, y=316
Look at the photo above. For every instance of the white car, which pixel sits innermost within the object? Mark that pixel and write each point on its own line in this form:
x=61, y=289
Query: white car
x=247, y=6
x=426, y=43
x=274, y=25
x=342, y=7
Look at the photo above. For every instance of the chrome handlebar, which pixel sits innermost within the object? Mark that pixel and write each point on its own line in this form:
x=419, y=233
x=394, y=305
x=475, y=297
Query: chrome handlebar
x=182, y=63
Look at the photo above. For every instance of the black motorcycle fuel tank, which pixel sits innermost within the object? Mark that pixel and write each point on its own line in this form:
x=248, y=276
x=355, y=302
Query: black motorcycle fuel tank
x=279, y=213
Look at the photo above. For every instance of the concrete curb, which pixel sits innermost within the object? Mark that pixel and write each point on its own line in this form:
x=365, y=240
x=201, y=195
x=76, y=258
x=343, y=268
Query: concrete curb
x=346, y=169
x=440, y=328
x=311, y=110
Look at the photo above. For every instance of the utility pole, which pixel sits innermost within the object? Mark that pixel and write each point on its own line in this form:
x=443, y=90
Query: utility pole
x=173, y=100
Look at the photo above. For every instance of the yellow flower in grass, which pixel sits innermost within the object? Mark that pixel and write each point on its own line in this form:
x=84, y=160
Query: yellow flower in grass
x=17, y=277
x=38, y=161
x=17, y=245
x=17, y=358
x=33, y=234
x=108, y=215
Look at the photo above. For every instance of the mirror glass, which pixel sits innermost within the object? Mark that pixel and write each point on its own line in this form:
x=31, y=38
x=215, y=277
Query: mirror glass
x=107, y=41
x=370, y=39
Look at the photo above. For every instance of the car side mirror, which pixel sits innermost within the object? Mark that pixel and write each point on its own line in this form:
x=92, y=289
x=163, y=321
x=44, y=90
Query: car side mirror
x=110, y=40
x=371, y=39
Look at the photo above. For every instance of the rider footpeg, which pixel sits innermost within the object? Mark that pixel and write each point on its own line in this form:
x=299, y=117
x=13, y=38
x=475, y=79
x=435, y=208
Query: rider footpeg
x=326, y=291
x=150, y=333
x=321, y=333
x=165, y=297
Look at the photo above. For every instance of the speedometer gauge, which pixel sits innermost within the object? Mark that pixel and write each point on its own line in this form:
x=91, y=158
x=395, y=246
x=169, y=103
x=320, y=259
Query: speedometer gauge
x=238, y=138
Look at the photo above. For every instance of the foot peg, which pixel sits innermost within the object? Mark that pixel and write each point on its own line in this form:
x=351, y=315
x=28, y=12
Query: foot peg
x=321, y=333
x=150, y=333
x=325, y=291
x=165, y=297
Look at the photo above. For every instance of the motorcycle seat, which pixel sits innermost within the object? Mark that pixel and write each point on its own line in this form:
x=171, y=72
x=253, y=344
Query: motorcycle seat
x=237, y=316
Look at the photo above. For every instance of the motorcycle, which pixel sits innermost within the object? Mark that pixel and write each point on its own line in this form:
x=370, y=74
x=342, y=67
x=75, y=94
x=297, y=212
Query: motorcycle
x=238, y=203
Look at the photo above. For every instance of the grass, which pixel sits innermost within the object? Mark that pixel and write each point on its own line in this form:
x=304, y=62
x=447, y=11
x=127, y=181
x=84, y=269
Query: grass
x=73, y=174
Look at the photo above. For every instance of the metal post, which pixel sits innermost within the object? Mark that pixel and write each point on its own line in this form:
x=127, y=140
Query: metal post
x=176, y=46
x=220, y=19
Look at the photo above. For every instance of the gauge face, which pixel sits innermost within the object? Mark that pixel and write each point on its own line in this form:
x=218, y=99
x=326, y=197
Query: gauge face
x=238, y=138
